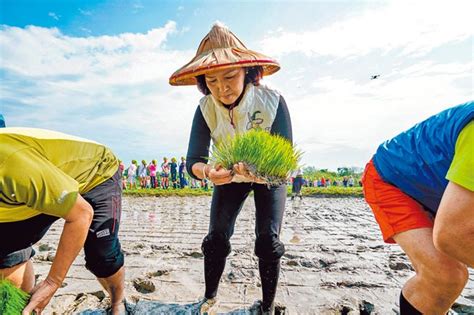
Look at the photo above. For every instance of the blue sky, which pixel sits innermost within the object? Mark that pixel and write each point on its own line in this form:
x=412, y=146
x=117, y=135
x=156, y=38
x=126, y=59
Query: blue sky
x=99, y=69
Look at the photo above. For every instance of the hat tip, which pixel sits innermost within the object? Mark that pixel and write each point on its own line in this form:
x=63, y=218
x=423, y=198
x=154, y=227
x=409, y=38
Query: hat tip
x=218, y=23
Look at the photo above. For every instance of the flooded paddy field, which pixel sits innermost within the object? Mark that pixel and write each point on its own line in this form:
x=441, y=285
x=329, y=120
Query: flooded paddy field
x=335, y=261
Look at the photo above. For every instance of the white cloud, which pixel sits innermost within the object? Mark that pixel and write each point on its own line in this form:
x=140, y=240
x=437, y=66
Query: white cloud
x=137, y=6
x=126, y=58
x=113, y=89
x=422, y=51
x=85, y=12
x=85, y=30
x=54, y=15
x=343, y=121
x=197, y=12
x=412, y=27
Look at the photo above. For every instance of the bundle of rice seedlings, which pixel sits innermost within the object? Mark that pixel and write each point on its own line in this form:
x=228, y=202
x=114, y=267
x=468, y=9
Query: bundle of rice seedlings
x=268, y=158
x=12, y=299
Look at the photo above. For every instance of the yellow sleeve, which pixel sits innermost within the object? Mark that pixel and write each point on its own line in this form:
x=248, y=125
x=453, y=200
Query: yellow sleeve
x=461, y=170
x=31, y=179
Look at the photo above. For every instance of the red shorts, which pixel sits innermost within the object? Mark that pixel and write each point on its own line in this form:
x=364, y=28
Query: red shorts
x=394, y=210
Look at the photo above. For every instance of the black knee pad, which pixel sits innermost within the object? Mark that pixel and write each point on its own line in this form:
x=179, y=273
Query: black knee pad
x=104, y=261
x=269, y=248
x=215, y=245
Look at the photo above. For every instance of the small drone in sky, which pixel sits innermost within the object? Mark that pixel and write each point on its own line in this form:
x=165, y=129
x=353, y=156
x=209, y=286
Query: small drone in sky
x=373, y=77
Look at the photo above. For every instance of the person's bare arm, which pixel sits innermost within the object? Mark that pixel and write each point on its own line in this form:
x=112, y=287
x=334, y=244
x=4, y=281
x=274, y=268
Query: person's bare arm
x=71, y=242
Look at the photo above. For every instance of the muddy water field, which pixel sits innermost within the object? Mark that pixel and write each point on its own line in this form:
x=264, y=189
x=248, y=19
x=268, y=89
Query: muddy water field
x=335, y=261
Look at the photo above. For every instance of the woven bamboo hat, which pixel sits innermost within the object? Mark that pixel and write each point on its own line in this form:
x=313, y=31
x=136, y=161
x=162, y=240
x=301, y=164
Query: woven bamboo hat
x=220, y=49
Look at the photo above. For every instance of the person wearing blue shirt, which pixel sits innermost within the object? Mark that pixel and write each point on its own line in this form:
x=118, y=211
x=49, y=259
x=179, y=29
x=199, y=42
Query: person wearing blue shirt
x=420, y=187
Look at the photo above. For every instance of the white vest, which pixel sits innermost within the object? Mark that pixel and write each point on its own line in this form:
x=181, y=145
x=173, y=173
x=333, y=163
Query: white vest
x=257, y=109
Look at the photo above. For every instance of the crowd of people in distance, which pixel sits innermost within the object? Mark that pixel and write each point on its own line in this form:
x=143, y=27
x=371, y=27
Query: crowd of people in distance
x=298, y=181
x=168, y=174
x=345, y=181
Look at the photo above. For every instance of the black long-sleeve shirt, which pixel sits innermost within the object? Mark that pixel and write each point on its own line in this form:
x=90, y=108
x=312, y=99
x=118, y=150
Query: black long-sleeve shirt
x=200, y=138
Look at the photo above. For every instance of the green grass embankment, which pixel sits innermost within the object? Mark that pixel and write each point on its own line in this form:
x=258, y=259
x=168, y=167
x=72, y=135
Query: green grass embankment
x=333, y=191
x=170, y=192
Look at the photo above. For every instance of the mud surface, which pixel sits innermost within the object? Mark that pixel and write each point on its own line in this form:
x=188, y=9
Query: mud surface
x=335, y=261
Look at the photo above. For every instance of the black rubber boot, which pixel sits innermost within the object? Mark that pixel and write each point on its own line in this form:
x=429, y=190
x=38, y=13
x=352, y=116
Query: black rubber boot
x=213, y=269
x=269, y=273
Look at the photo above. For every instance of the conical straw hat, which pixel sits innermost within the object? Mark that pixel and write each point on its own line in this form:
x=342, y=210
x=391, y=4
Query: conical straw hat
x=220, y=49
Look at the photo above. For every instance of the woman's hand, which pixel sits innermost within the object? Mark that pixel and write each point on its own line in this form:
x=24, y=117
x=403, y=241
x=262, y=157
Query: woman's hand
x=219, y=175
x=241, y=169
x=40, y=296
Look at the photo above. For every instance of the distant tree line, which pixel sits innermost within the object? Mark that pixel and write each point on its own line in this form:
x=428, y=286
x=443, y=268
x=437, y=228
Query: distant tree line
x=313, y=173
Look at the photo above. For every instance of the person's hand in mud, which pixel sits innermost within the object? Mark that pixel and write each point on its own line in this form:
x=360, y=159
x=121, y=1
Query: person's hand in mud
x=40, y=296
x=218, y=174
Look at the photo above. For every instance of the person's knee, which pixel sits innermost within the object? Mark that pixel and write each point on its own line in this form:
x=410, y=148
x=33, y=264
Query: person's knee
x=454, y=276
x=216, y=245
x=443, y=241
x=448, y=243
x=269, y=247
x=104, y=261
x=446, y=274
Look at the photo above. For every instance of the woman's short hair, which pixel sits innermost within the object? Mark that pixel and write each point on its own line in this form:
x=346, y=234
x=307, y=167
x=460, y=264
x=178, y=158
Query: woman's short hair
x=252, y=75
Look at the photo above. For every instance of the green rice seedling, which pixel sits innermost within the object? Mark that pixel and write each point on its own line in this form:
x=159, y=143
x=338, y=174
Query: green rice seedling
x=12, y=299
x=270, y=158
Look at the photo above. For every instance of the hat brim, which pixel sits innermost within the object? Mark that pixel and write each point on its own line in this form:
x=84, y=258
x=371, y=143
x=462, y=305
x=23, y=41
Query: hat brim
x=215, y=61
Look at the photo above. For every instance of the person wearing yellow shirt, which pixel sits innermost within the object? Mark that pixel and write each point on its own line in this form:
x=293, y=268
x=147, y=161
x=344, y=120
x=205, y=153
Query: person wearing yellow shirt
x=47, y=175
